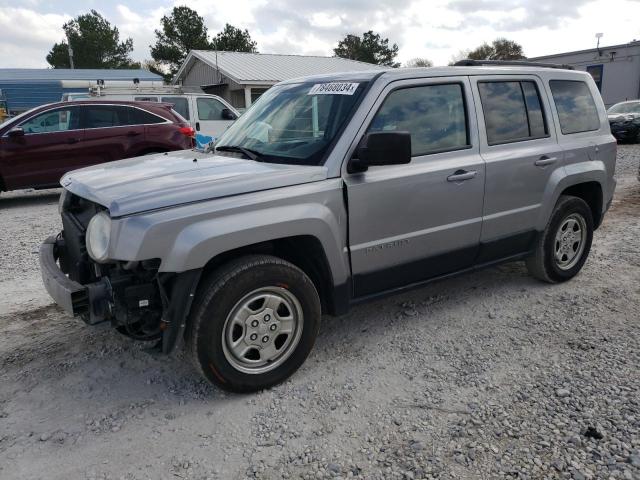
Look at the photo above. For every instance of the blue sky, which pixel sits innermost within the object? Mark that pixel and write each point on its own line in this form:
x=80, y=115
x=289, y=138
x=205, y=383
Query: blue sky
x=435, y=29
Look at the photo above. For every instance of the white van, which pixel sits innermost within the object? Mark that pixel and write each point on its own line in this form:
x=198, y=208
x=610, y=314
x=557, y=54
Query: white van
x=209, y=115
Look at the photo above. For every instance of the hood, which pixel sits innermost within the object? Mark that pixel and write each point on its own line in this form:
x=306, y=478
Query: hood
x=163, y=180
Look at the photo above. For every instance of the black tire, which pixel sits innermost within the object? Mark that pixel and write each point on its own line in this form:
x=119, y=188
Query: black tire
x=543, y=264
x=219, y=296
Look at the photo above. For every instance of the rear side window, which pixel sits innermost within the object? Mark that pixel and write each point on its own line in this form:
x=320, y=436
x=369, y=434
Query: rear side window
x=105, y=116
x=434, y=115
x=512, y=111
x=180, y=105
x=577, y=111
x=147, y=118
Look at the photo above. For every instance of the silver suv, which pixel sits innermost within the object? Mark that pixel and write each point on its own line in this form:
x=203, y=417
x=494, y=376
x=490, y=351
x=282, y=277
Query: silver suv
x=330, y=191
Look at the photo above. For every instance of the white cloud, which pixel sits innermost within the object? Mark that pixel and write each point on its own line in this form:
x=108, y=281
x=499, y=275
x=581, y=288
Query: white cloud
x=436, y=29
x=26, y=36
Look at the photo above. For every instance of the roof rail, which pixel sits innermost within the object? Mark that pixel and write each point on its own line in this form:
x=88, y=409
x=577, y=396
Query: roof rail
x=509, y=63
x=135, y=89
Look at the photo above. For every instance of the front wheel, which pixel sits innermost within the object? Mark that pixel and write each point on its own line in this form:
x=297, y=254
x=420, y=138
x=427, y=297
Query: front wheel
x=254, y=322
x=563, y=247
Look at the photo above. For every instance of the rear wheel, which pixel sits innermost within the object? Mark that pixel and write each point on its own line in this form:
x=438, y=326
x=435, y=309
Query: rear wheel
x=564, y=246
x=254, y=323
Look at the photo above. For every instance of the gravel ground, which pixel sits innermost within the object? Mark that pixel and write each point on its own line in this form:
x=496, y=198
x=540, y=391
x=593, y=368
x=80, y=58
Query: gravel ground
x=488, y=375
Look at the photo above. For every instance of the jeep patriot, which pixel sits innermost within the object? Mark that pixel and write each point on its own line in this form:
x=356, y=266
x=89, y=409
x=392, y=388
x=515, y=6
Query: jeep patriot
x=329, y=191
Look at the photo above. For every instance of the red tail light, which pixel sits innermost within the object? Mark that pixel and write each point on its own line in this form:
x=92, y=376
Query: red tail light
x=188, y=131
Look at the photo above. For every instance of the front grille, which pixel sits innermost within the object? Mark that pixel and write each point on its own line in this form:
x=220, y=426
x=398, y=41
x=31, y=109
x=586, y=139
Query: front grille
x=74, y=259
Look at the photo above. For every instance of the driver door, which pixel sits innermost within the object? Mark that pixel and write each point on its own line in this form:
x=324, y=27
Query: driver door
x=49, y=148
x=210, y=120
x=412, y=222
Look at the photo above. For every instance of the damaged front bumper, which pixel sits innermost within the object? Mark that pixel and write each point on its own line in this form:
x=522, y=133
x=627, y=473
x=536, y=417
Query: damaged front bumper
x=90, y=301
x=126, y=298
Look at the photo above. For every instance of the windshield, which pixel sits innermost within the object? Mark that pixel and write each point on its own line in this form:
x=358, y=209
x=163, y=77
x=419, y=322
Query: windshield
x=631, y=107
x=294, y=123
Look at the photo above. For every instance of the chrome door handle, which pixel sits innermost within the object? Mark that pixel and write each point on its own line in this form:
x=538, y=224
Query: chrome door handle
x=461, y=176
x=543, y=161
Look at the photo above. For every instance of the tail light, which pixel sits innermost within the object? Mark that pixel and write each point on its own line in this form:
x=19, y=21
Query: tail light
x=188, y=131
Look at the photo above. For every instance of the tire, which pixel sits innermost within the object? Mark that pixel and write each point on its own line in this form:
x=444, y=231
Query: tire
x=259, y=304
x=561, y=250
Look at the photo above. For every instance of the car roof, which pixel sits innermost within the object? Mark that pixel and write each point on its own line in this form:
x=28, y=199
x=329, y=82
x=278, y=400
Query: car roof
x=429, y=72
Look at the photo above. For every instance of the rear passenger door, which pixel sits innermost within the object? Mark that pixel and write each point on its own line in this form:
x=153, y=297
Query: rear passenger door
x=411, y=222
x=519, y=145
x=112, y=132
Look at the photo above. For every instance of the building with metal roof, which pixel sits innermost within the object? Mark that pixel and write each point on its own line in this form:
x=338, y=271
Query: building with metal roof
x=615, y=69
x=241, y=77
x=26, y=88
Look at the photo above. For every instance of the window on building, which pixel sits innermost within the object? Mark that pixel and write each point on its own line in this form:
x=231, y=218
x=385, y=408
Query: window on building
x=180, y=105
x=146, y=99
x=512, y=111
x=577, y=110
x=596, y=73
x=434, y=115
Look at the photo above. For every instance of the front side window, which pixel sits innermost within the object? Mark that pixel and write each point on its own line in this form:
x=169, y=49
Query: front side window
x=180, y=105
x=295, y=123
x=209, y=109
x=434, y=115
x=512, y=111
x=59, y=120
x=627, y=107
x=577, y=110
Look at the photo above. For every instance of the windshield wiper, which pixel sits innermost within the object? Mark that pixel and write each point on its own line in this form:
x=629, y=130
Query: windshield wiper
x=248, y=152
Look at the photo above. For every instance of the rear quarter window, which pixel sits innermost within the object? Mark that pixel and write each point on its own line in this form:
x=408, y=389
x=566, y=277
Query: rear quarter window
x=577, y=110
x=147, y=118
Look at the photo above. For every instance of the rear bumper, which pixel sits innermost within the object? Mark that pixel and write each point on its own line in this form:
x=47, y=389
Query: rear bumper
x=89, y=301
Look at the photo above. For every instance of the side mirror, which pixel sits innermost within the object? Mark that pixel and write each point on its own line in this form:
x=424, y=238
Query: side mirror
x=228, y=114
x=381, y=148
x=16, y=132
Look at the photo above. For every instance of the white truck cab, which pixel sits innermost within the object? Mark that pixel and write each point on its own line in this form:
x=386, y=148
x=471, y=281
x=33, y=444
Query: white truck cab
x=209, y=115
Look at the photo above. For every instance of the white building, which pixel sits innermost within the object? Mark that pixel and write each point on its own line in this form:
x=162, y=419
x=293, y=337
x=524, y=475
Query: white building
x=615, y=69
x=241, y=77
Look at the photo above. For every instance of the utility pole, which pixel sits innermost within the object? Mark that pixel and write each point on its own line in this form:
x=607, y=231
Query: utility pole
x=70, y=52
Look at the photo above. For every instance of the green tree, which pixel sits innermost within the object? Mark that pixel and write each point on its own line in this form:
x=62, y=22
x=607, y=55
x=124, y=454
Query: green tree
x=500, y=49
x=419, y=62
x=369, y=48
x=183, y=30
x=232, y=39
x=95, y=44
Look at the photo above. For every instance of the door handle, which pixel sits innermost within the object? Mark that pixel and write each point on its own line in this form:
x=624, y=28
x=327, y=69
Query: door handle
x=461, y=176
x=133, y=134
x=72, y=140
x=543, y=161
x=198, y=126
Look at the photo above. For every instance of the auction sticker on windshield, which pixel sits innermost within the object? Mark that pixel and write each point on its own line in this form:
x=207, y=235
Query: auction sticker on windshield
x=334, y=88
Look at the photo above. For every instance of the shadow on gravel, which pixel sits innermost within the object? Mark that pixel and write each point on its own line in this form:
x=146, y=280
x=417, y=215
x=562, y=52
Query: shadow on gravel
x=29, y=199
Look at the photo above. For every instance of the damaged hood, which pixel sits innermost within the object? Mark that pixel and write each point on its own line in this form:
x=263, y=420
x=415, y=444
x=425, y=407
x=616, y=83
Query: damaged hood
x=163, y=180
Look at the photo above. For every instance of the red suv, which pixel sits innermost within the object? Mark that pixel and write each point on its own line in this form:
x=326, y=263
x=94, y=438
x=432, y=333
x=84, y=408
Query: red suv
x=41, y=145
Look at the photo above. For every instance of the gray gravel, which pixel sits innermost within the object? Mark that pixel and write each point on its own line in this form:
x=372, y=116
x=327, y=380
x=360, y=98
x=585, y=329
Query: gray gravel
x=489, y=375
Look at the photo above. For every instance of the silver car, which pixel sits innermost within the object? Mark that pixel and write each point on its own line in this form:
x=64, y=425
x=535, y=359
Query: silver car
x=330, y=191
